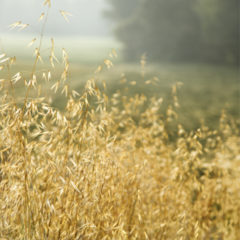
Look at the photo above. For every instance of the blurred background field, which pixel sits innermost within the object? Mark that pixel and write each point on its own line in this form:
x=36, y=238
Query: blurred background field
x=206, y=89
x=197, y=45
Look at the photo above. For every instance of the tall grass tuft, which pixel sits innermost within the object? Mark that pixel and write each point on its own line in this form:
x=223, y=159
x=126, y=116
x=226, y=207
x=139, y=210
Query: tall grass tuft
x=109, y=168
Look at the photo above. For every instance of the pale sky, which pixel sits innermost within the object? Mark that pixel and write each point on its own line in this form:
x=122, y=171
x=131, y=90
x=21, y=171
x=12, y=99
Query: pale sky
x=87, y=19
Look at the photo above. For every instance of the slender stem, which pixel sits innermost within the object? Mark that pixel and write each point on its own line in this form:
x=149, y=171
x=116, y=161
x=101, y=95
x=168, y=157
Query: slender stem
x=36, y=59
x=27, y=217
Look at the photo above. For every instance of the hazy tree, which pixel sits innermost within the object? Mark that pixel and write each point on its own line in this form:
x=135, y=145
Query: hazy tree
x=220, y=29
x=121, y=9
x=174, y=30
x=164, y=30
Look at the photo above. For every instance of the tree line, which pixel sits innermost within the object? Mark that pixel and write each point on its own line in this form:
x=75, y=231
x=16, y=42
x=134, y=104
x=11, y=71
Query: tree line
x=177, y=30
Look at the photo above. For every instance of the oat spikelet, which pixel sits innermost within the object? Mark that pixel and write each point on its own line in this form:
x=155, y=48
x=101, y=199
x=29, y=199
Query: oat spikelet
x=65, y=15
x=41, y=17
x=108, y=63
x=32, y=42
x=15, y=24
x=47, y=2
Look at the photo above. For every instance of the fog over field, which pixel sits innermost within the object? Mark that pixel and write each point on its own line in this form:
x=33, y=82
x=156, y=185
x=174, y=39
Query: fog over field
x=87, y=19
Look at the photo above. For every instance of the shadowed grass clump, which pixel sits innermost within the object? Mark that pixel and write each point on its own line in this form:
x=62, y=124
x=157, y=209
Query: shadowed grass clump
x=110, y=168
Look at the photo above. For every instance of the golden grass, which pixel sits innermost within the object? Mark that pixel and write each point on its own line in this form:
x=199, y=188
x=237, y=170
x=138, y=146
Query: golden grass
x=109, y=168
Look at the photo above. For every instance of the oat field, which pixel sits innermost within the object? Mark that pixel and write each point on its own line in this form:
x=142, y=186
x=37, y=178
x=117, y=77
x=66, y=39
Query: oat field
x=110, y=156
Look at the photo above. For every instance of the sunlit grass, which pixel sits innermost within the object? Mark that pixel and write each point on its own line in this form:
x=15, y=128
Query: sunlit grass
x=88, y=154
x=206, y=89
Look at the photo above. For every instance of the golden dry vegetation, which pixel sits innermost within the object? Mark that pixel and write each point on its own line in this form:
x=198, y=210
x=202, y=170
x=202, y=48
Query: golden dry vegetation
x=110, y=168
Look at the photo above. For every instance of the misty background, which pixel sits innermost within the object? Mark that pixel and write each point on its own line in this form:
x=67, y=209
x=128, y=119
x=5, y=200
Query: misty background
x=87, y=19
x=87, y=36
x=195, y=42
x=165, y=31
